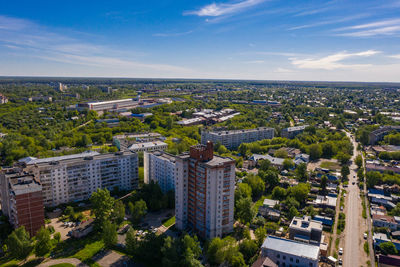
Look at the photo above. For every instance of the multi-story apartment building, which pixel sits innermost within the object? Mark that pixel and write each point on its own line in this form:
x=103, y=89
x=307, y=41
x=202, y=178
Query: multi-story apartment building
x=291, y=132
x=21, y=199
x=148, y=146
x=284, y=252
x=379, y=134
x=204, y=192
x=160, y=167
x=233, y=139
x=75, y=177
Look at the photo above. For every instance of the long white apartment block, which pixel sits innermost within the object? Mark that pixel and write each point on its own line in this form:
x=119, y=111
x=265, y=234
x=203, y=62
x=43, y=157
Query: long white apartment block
x=232, y=139
x=75, y=177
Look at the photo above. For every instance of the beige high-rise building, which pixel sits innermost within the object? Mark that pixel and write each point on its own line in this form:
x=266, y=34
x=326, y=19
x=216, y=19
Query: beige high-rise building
x=204, y=192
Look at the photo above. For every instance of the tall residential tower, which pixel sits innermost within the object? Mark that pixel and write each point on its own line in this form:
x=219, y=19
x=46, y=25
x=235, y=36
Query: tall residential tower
x=204, y=192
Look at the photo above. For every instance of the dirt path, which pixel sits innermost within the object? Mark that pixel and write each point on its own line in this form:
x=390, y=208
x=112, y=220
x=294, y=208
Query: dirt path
x=72, y=261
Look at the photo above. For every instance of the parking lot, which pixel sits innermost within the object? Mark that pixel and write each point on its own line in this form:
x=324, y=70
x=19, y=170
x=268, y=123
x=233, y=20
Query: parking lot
x=59, y=227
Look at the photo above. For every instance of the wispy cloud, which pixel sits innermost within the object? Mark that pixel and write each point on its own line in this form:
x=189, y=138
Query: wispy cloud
x=333, y=62
x=254, y=62
x=384, y=27
x=395, y=56
x=39, y=42
x=328, y=22
x=216, y=10
x=172, y=34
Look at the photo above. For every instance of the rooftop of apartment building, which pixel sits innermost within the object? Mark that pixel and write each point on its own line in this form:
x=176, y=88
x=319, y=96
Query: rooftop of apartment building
x=296, y=128
x=205, y=154
x=24, y=183
x=147, y=144
x=165, y=155
x=137, y=135
x=88, y=155
x=291, y=247
x=305, y=224
x=225, y=132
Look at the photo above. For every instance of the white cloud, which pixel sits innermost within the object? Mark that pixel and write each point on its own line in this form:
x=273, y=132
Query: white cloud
x=333, y=62
x=255, y=62
x=215, y=10
x=384, y=27
x=395, y=56
x=173, y=34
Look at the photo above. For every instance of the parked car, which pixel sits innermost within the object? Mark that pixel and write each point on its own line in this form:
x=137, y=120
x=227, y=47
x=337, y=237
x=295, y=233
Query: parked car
x=340, y=251
x=365, y=236
x=340, y=262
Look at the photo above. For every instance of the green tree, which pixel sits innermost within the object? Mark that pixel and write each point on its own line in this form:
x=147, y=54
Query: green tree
x=345, y=171
x=373, y=178
x=109, y=234
x=315, y=151
x=102, y=205
x=388, y=248
x=279, y=193
x=293, y=212
x=281, y=153
x=359, y=161
x=244, y=210
x=18, y=243
x=288, y=164
x=131, y=242
x=138, y=210
x=343, y=158
x=243, y=190
x=270, y=177
x=301, y=172
x=264, y=164
x=260, y=234
x=248, y=248
x=300, y=192
x=119, y=212
x=256, y=183
x=43, y=242
x=324, y=183
x=57, y=237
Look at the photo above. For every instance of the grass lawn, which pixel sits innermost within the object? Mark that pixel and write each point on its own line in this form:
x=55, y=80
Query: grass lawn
x=86, y=254
x=169, y=222
x=333, y=166
x=141, y=175
x=63, y=265
x=10, y=263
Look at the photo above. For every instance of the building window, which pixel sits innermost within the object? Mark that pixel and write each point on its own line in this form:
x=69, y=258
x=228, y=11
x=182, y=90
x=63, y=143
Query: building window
x=297, y=260
x=291, y=259
x=284, y=257
x=278, y=256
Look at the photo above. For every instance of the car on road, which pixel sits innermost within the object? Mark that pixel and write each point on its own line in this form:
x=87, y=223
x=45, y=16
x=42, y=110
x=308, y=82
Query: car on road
x=340, y=262
x=354, y=176
x=340, y=251
x=353, y=183
x=365, y=235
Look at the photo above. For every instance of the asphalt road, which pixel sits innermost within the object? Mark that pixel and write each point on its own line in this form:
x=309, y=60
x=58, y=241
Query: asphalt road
x=353, y=210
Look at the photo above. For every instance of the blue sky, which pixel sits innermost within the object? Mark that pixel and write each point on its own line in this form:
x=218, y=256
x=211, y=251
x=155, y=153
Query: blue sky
x=240, y=39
